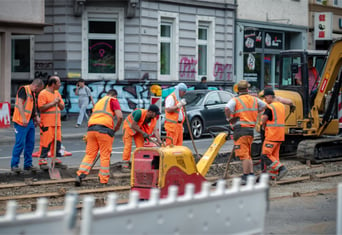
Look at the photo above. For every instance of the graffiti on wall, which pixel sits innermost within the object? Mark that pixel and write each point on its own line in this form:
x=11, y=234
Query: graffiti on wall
x=42, y=69
x=187, y=70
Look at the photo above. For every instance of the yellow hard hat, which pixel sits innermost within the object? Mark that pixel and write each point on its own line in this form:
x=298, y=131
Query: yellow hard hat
x=156, y=90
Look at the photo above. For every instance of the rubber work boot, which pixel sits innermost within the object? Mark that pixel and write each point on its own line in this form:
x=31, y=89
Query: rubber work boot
x=78, y=180
x=31, y=168
x=282, y=172
x=126, y=167
x=16, y=169
x=59, y=164
x=43, y=164
x=244, y=179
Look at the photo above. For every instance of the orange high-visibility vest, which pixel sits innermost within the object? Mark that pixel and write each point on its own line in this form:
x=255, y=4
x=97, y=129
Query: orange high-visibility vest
x=48, y=117
x=102, y=113
x=28, y=106
x=173, y=117
x=246, y=109
x=148, y=128
x=275, y=130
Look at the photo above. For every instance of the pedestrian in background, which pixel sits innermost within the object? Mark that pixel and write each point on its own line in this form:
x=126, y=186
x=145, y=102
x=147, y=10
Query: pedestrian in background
x=100, y=136
x=139, y=125
x=25, y=118
x=273, y=122
x=242, y=112
x=202, y=85
x=48, y=100
x=174, y=115
x=84, y=95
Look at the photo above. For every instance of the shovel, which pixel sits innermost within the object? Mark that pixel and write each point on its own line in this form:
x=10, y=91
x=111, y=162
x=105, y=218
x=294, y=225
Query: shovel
x=53, y=172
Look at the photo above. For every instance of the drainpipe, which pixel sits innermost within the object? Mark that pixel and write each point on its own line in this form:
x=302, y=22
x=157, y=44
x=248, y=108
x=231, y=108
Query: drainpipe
x=79, y=7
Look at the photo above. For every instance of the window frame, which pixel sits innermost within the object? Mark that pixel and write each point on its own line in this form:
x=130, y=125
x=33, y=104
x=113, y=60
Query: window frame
x=172, y=19
x=209, y=23
x=110, y=15
x=24, y=75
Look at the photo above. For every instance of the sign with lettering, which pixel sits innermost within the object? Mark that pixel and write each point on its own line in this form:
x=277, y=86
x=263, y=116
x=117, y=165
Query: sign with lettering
x=323, y=26
x=5, y=115
x=273, y=40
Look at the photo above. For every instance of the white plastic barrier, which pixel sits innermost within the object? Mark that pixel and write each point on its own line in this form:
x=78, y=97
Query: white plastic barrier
x=236, y=210
x=41, y=221
x=339, y=210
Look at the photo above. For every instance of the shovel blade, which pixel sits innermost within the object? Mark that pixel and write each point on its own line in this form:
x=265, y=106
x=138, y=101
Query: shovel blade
x=54, y=174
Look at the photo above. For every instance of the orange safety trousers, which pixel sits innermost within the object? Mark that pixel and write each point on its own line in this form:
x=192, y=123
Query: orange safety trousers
x=271, y=150
x=242, y=147
x=47, y=137
x=175, y=132
x=97, y=141
x=127, y=140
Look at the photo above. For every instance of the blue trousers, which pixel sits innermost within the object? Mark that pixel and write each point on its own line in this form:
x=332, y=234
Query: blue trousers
x=24, y=138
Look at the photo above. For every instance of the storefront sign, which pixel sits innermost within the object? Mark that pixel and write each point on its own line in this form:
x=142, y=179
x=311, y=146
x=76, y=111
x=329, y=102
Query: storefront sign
x=273, y=40
x=323, y=26
x=249, y=41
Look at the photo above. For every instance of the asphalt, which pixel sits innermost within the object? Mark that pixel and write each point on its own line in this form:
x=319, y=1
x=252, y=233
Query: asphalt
x=69, y=131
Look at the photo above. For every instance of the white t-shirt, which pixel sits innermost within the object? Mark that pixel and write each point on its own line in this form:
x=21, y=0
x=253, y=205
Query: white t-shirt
x=169, y=102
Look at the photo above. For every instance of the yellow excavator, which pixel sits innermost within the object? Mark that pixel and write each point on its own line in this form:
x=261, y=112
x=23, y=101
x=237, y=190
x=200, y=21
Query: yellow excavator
x=312, y=129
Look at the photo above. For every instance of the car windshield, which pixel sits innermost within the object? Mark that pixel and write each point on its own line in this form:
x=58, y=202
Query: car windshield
x=194, y=98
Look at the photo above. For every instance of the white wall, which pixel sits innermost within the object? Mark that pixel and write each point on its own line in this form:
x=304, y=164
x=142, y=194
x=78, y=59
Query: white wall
x=276, y=11
x=28, y=11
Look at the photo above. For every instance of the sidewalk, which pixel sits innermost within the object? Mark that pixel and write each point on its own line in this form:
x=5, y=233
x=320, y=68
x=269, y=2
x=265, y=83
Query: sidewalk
x=69, y=131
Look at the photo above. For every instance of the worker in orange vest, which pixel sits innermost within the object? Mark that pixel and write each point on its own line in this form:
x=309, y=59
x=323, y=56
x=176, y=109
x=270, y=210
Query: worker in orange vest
x=273, y=122
x=174, y=115
x=242, y=112
x=100, y=136
x=48, y=99
x=25, y=117
x=139, y=125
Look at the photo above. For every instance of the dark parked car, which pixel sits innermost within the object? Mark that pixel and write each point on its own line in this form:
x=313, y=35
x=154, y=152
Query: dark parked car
x=205, y=109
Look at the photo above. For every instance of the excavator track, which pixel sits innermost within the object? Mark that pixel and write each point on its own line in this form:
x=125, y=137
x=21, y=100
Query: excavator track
x=320, y=150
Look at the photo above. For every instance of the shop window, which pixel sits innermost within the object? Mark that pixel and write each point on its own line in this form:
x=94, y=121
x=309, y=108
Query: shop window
x=168, y=46
x=22, y=57
x=101, y=56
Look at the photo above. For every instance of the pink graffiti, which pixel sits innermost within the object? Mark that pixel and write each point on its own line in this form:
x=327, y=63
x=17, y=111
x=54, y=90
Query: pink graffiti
x=187, y=68
x=221, y=70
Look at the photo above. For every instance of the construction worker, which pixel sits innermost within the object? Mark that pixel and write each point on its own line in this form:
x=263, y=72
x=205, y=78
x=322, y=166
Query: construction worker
x=242, y=112
x=25, y=118
x=48, y=100
x=174, y=115
x=273, y=121
x=100, y=136
x=139, y=125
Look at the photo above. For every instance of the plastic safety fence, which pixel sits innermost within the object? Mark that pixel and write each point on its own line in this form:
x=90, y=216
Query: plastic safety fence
x=215, y=210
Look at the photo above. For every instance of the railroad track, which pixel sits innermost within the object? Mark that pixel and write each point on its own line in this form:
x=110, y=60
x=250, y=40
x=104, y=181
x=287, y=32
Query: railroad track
x=27, y=192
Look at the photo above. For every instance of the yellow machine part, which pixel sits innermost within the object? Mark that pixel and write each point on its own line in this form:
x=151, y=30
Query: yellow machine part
x=207, y=159
x=169, y=156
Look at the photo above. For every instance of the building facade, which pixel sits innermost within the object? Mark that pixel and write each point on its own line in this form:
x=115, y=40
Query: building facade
x=17, y=19
x=263, y=29
x=131, y=44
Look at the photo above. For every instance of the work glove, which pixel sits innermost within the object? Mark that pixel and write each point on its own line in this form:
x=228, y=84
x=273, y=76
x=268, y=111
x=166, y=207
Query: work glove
x=292, y=108
x=146, y=136
x=181, y=103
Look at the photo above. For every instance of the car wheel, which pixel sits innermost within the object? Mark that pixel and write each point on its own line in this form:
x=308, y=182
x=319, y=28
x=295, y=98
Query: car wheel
x=196, y=127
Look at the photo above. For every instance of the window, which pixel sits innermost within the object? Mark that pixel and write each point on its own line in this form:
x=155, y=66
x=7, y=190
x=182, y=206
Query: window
x=22, y=57
x=167, y=46
x=102, y=57
x=205, y=46
x=338, y=3
x=202, y=51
